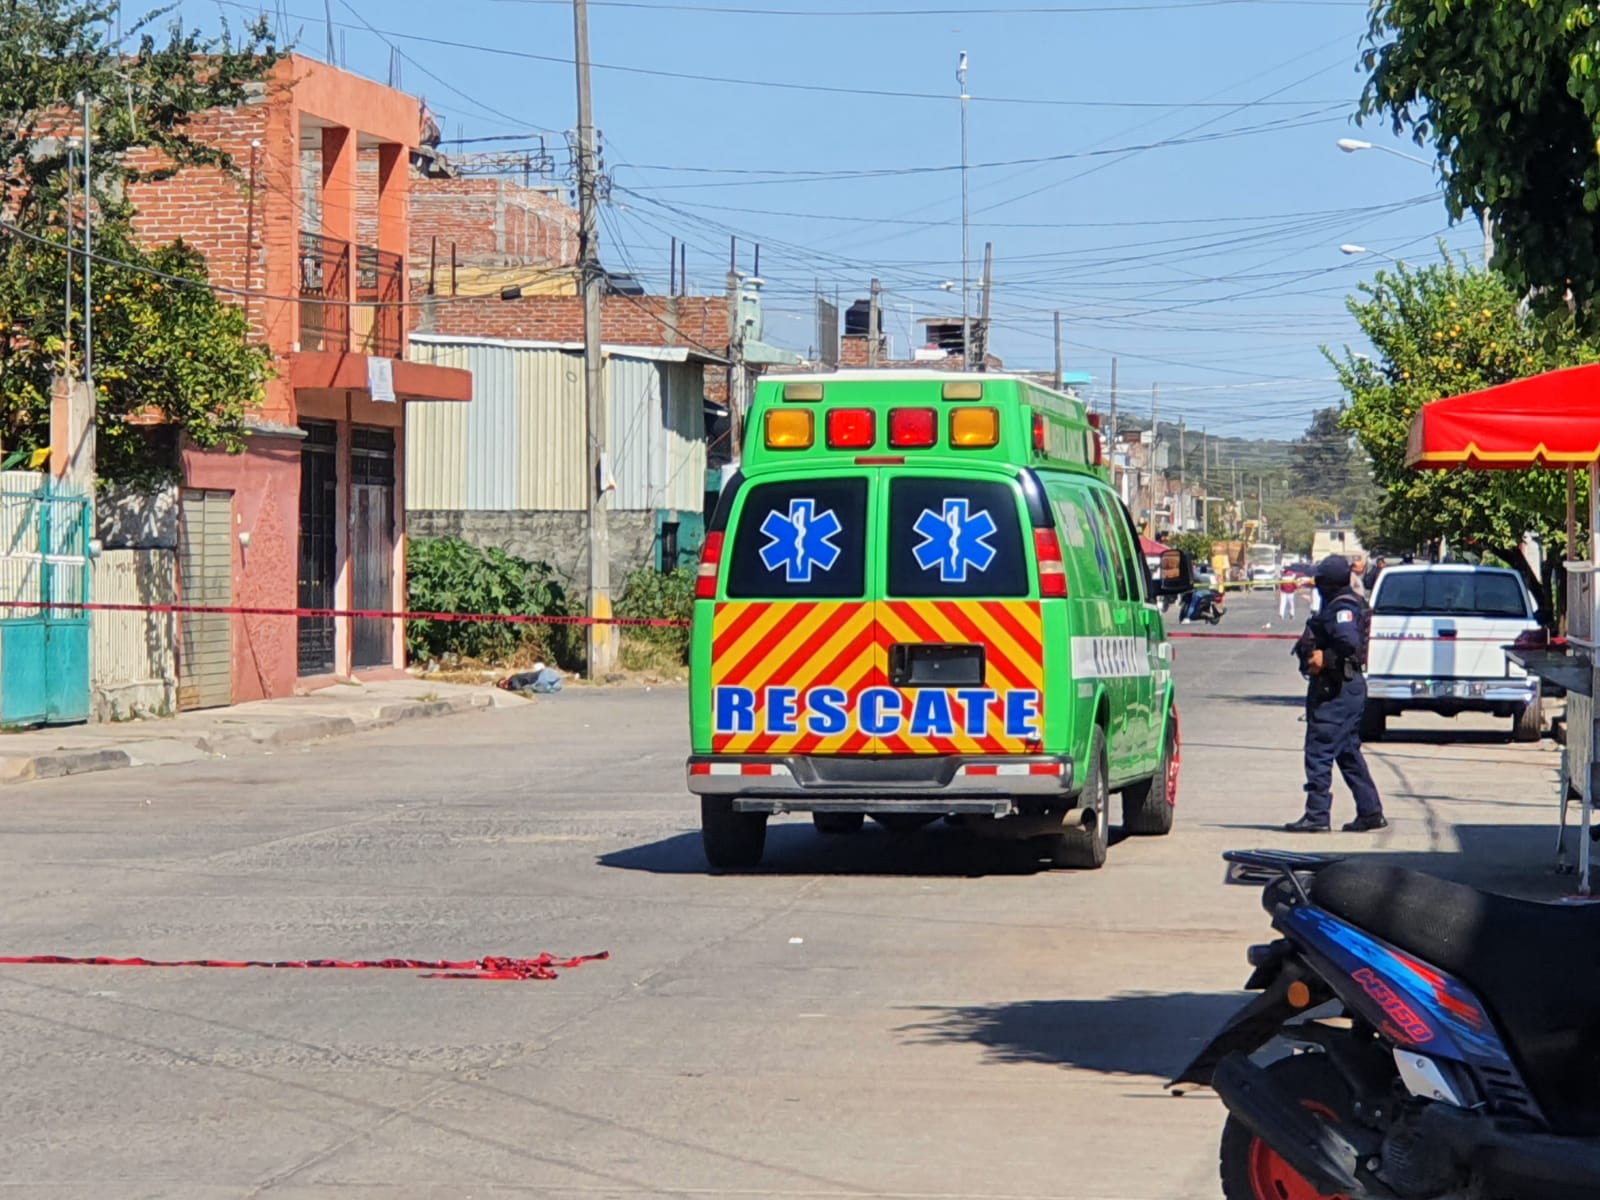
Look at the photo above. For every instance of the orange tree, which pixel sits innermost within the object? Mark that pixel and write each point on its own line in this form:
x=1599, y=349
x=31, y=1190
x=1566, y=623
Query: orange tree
x=1436, y=331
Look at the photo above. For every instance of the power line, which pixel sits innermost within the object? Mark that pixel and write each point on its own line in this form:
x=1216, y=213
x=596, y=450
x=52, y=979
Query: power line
x=1007, y=11
x=738, y=81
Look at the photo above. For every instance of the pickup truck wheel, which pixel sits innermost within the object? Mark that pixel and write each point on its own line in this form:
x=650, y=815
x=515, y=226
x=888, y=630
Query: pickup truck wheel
x=1528, y=724
x=1374, y=722
x=1083, y=847
x=1147, y=806
x=838, y=822
x=731, y=839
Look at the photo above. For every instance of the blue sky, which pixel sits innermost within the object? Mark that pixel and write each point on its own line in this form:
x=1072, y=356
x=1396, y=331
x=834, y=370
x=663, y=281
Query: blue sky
x=1186, y=219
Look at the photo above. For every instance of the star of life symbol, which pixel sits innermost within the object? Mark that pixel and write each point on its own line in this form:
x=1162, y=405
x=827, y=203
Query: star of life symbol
x=801, y=541
x=954, y=540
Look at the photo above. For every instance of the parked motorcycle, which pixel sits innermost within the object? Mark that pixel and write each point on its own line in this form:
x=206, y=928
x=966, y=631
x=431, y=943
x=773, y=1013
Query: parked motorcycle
x=1444, y=1043
x=1205, y=605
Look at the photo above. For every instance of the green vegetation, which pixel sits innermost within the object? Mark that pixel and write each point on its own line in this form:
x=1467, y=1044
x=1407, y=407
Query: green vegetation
x=1508, y=95
x=162, y=346
x=449, y=575
x=649, y=594
x=1437, y=331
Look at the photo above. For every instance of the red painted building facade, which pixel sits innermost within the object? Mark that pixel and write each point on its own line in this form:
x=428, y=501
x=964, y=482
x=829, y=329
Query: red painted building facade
x=314, y=227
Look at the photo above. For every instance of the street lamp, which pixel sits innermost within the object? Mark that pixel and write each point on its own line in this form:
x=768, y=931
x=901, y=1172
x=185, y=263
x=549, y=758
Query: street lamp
x=1351, y=145
x=1352, y=249
x=1485, y=220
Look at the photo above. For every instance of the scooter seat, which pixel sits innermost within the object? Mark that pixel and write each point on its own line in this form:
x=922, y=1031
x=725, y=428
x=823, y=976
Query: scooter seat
x=1535, y=966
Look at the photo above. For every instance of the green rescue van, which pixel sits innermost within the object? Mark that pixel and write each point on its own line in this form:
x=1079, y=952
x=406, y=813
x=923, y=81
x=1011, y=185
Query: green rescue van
x=920, y=597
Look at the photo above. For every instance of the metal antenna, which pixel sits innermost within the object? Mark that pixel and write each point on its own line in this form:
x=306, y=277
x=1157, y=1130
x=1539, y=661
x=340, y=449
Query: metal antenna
x=966, y=247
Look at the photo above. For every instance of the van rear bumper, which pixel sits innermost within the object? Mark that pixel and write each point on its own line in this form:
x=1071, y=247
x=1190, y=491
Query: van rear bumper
x=817, y=783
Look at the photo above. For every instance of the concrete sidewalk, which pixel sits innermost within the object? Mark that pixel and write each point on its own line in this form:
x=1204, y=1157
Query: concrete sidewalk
x=256, y=727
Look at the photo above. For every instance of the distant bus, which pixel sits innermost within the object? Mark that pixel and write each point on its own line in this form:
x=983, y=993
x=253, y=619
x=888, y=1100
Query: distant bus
x=1261, y=562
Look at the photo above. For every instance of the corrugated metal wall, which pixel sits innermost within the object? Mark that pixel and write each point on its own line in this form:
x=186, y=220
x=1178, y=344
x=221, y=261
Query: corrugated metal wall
x=519, y=444
x=132, y=657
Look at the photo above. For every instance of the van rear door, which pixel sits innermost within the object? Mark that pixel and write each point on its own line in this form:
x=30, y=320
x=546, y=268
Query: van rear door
x=793, y=634
x=960, y=639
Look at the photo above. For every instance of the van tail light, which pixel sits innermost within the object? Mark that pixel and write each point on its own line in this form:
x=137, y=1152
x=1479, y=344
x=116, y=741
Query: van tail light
x=851, y=429
x=1038, y=432
x=913, y=428
x=1097, y=442
x=1052, y=570
x=705, y=582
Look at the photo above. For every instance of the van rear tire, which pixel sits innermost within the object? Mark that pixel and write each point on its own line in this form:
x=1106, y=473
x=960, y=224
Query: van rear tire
x=731, y=839
x=1528, y=724
x=1147, y=806
x=1083, y=847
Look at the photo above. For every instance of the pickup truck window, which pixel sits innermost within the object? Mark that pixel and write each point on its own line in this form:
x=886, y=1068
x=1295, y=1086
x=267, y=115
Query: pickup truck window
x=1451, y=594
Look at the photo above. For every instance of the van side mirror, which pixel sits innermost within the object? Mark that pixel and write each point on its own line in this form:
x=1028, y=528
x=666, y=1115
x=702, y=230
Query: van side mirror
x=1176, y=574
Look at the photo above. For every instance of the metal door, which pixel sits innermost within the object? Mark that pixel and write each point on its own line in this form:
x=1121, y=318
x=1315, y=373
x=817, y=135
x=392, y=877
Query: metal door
x=372, y=543
x=44, y=651
x=205, y=578
x=319, y=482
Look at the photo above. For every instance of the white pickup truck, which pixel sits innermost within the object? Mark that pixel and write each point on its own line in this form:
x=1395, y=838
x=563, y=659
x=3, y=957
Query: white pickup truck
x=1439, y=634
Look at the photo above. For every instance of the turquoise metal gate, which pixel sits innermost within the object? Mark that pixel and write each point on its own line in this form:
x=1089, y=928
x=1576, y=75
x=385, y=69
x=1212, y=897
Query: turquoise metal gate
x=44, y=562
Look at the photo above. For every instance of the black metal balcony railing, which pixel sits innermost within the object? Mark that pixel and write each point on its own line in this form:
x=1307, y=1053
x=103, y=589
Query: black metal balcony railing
x=379, y=276
x=325, y=292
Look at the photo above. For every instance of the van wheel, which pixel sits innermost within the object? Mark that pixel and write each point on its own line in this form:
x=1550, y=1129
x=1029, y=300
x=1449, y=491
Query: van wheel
x=904, y=822
x=1083, y=847
x=838, y=822
x=1528, y=724
x=731, y=838
x=1147, y=806
x=1374, y=722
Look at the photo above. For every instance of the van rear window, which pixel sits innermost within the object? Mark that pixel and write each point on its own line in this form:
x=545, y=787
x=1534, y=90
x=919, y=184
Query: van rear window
x=1451, y=594
x=803, y=540
x=955, y=538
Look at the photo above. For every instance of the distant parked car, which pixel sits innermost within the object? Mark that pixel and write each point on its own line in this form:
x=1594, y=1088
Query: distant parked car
x=1438, y=644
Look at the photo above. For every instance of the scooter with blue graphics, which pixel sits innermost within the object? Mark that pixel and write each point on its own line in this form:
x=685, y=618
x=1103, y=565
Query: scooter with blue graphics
x=1413, y=1039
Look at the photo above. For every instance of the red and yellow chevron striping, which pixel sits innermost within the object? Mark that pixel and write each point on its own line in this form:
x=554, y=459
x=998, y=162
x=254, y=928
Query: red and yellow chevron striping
x=812, y=678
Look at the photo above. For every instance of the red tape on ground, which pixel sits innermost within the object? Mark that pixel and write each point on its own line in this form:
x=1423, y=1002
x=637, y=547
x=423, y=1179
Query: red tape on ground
x=545, y=966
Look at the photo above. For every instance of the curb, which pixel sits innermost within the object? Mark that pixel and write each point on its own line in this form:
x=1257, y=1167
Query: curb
x=239, y=740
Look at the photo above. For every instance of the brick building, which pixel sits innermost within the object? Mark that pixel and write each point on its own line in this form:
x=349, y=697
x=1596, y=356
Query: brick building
x=316, y=223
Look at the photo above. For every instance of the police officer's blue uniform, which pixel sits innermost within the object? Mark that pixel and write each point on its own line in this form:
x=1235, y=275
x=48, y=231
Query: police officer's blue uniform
x=1334, y=702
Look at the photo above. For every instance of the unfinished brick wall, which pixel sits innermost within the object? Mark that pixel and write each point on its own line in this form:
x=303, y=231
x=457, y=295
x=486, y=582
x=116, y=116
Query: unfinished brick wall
x=492, y=223
x=699, y=322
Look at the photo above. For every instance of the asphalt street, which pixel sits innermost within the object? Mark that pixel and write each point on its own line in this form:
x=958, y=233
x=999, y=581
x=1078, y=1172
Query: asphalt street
x=909, y=1016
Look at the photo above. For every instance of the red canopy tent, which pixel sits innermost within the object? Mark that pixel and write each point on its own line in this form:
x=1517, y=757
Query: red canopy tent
x=1549, y=420
x=1149, y=547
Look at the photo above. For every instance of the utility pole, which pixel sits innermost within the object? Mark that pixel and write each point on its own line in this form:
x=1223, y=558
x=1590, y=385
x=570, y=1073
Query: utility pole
x=602, y=647
x=736, y=373
x=966, y=246
x=1205, y=481
x=983, y=306
x=873, y=310
x=88, y=247
x=1114, y=426
x=1183, y=493
x=1156, y=490
x=1059, y=364
x=1261, y=494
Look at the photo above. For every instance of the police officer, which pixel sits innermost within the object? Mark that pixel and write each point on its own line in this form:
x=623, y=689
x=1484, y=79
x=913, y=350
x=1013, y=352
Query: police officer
x=1332, y=655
